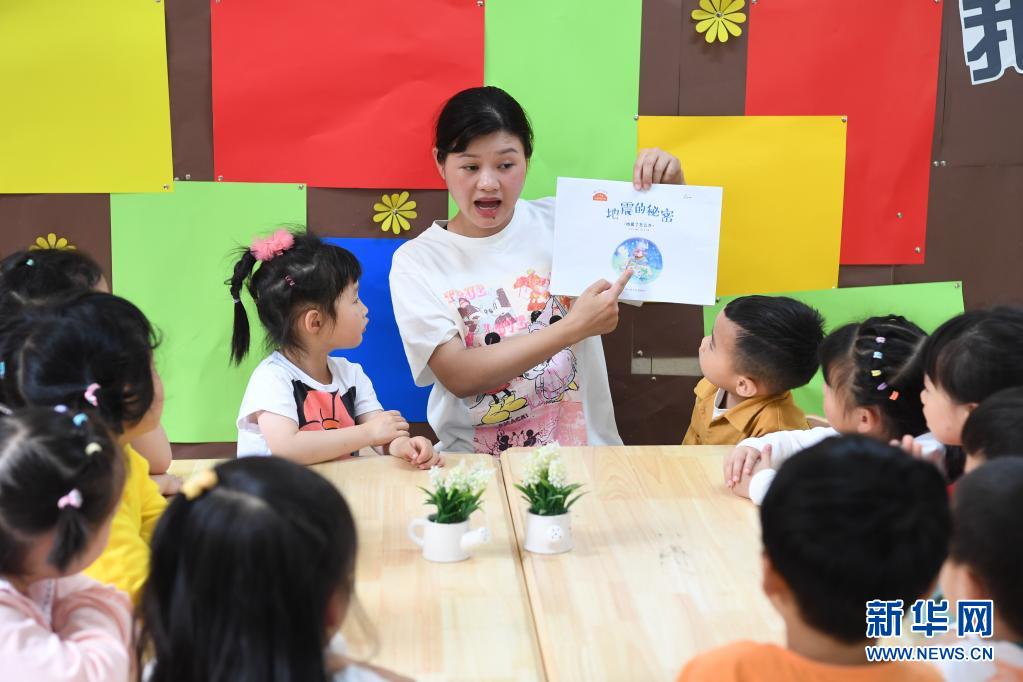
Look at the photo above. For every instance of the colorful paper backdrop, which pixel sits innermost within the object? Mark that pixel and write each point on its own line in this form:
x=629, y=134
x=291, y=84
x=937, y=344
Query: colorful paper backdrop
x=84, y=97
x=927, y=305
x=574, y=67
x=338, y=94
x=875, y=61
x=171, y=255
x=782, y=178
x=381, y=353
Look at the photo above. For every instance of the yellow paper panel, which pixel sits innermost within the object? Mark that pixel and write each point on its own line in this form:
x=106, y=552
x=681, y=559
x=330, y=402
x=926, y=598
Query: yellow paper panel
x=783, y=176
x=85, y=105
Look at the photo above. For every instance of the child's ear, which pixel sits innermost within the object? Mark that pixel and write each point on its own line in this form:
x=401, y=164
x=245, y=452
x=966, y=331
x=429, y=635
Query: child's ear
x=774, y=585
x=440, y=166
x=746, y=387
x=311, y=321
x=868, y=419
x=335, y=613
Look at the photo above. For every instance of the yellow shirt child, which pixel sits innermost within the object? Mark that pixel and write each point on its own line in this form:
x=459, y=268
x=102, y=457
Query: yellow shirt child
x=125, y=561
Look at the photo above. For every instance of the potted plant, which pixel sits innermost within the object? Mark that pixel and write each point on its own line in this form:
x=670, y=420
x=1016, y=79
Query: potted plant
x=446, y=535
x=550, y=497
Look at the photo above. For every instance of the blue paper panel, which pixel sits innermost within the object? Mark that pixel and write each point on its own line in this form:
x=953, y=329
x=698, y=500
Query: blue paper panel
x=381, y=354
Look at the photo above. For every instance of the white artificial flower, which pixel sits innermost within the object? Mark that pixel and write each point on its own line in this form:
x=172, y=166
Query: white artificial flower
x=436, y=477
x=479, y=478
x=458, y=478
x=557, y=475
x=531, y=475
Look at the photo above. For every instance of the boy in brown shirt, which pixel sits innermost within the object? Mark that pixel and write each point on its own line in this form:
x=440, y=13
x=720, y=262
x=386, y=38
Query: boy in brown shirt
x=761, y=348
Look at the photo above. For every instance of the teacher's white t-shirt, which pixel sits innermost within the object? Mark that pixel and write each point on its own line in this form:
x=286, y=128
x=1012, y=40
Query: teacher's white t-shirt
x=483, y=290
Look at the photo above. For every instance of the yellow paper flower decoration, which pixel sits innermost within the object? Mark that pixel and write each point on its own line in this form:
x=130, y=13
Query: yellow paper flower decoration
x=717, y=18
x=52, y=241
x=395, y=212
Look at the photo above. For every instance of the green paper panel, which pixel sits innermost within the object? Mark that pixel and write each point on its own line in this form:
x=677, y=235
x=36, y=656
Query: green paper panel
x=574, y=67
x=171, y=255
x=927, y=305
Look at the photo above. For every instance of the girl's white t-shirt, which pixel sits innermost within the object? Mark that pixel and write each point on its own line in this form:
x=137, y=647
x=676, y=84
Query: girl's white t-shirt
x=279, y=386
x=483, y=290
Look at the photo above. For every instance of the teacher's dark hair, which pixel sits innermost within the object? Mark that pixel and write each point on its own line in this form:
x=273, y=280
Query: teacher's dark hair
x=478, y=112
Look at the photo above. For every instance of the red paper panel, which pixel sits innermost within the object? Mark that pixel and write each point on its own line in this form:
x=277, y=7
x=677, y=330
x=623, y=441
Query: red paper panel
x=875, y=61
x=337, y=94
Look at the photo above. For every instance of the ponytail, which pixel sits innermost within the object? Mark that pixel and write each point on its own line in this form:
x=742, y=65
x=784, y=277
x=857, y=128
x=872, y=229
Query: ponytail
x=240, y=336
x=60, y=471
x=70, y=538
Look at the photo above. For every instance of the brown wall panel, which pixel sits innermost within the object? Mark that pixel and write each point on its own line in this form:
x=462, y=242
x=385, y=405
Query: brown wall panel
x=190, y=83
x=975, y=233
x=981, y=123
x=712, y=75
x=660, y=58
x=83, y=219
x=349, y=212
x=653, y=409
x=668, y=330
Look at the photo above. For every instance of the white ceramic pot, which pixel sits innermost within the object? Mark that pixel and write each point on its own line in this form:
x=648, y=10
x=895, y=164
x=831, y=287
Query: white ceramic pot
x=548, y=534
x=446, y=542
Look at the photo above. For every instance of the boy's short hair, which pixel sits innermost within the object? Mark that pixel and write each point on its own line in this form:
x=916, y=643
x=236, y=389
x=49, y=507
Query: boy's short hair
x=987, y=508
x=995, y=427
x=851, y=520
x=778, y=340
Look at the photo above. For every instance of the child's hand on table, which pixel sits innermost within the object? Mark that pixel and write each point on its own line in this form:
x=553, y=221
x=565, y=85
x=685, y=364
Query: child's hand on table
x=417, y=450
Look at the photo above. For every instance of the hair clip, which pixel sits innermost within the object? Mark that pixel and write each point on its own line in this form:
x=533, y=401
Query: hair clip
x=90, y=394
x=880, y=339
x=236, y=299
x=3, y=369
x=882, y=386
x=878, y=355
x=60, y=409
x=30, y=262
x=875, y=372
x=199, y=484
x=894, y=395
x=80, y=418
x=291, y=282
x=273, y=246
x=93, y=449
x=72, y=499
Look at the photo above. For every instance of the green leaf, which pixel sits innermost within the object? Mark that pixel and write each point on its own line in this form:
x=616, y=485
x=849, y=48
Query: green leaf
x=568, y=505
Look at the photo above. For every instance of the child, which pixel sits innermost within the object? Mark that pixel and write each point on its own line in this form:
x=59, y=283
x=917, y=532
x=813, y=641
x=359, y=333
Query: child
x=985, y=562
x=872, y=386
x=253, y=571
x=995, y=428
x=847, y=521
x=301, y=403
x=60, y=480
x=511, y=365
x=966, y=360
x=32, y=278
x=761, y=347
x=94, y=350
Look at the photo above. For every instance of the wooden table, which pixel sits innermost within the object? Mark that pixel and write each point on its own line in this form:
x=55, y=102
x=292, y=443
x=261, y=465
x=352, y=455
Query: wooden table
x=666, y=564
x=465, y=621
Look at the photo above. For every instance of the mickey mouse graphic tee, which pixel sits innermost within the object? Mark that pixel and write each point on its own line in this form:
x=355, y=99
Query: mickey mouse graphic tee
x=277, y=385
x=485, y=290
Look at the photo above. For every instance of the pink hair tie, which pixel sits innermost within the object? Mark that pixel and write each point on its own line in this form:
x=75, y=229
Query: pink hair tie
x=72, y=499
x=274, y=245
x=90, y=394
